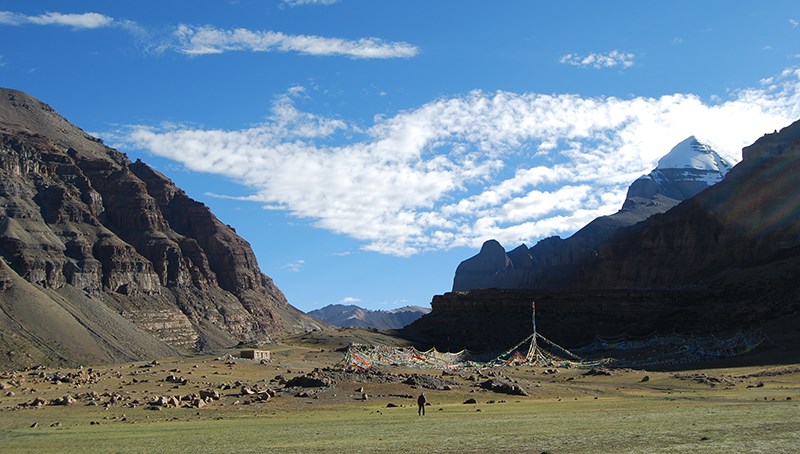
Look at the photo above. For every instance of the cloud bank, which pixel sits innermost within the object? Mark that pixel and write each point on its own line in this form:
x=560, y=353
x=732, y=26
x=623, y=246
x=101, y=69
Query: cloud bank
x=457, y=171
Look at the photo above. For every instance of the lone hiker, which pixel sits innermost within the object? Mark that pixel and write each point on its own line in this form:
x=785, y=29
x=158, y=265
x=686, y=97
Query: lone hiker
x=421, y=402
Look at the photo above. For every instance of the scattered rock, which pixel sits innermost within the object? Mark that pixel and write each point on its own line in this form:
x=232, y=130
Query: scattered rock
x=66, y=400
x=314, y=379
x=598, y=371
x=171, y=378
x=470, y=401
x=429, y=382
x=710, y=380
x=210, y=394
x=502, y=386
x=391, y=405
x=645, y=379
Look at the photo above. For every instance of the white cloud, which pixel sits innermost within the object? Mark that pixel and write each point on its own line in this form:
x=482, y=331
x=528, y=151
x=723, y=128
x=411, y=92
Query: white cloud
x=295, y=266
x=794, y=23
x=203, y=40
x=76, y=21
x=599, y=61
x=350, y=300
x=309, y=2
x=457, y=171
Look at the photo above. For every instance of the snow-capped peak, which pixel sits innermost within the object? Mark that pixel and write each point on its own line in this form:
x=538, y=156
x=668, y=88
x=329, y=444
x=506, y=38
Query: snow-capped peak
x=693, y=154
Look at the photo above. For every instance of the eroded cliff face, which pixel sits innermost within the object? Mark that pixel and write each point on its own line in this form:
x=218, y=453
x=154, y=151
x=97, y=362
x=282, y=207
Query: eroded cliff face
x=77, y=214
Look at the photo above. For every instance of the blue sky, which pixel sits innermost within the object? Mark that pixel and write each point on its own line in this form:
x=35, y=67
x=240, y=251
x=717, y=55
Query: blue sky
x=365, y=148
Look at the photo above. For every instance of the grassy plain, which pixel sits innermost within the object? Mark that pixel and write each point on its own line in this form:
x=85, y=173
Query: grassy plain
x=745, y=409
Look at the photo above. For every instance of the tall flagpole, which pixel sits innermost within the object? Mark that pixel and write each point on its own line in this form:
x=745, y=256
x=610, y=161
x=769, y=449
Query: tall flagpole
x=532, y=353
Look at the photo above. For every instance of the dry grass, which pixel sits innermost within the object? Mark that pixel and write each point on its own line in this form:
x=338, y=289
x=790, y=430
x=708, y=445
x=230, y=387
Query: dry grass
x=566, y=412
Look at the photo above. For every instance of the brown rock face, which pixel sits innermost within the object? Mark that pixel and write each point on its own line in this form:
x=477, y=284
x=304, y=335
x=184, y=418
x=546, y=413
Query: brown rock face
x=77, y=214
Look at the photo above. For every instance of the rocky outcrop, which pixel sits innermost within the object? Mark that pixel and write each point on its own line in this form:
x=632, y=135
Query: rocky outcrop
x=75, y=214
x=553, y=263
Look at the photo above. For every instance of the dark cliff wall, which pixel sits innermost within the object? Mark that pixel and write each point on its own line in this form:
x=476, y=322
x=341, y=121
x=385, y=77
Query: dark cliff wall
x=499, y=318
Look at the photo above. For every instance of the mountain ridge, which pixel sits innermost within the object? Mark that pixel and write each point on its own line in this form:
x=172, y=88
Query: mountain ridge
x=687, y=169
x=353, y=316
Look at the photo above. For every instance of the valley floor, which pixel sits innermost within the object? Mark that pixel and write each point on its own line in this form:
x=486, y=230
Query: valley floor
x=258, y=408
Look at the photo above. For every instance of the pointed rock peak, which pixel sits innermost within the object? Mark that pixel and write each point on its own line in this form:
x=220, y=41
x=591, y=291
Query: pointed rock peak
x=492, y=247
x=694, y=154
x=522, y=247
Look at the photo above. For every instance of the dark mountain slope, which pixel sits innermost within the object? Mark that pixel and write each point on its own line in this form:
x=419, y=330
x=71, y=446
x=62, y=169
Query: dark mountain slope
x=118, y=245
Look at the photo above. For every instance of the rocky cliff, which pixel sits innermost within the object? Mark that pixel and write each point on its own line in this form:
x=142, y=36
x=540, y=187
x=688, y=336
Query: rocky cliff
x=553, y=263
x=117, y=246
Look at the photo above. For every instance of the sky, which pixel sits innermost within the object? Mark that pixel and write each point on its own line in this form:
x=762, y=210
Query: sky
x=365, y=148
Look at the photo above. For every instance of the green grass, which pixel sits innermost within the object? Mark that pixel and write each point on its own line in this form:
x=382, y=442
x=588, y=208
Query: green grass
x=566, y=412
x=604, y=425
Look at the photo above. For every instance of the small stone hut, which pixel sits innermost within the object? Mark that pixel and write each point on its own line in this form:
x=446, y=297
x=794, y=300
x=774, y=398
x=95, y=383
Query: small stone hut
x=255, y=354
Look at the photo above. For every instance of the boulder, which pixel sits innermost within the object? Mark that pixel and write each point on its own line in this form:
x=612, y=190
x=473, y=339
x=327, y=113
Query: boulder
x=504, y=387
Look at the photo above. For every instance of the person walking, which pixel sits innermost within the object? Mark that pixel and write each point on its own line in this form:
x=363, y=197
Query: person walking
x=421, y=401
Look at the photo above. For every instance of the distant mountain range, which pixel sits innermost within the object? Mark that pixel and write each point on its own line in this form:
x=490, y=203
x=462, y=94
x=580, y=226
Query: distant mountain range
x=350, y=316
x=689, y=168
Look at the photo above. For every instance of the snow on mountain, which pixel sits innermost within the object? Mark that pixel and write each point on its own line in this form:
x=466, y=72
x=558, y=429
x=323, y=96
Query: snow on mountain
x=688, y=169
x=693, y=154
x=349, y=316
